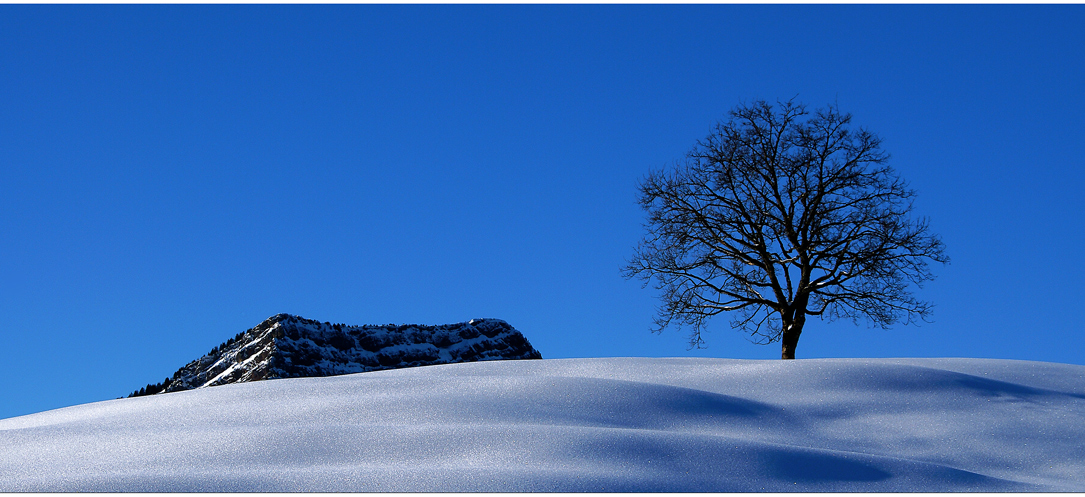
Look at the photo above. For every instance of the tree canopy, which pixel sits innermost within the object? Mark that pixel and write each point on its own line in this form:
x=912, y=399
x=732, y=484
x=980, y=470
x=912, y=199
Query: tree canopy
x=778, y=214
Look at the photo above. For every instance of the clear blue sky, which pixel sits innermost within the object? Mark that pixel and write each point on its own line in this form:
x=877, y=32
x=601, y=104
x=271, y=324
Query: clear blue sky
x=173, y=175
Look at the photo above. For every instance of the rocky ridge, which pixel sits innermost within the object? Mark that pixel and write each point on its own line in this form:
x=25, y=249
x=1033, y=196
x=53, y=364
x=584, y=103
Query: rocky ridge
x=287, y=346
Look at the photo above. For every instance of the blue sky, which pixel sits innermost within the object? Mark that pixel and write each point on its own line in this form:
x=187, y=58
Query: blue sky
x=173, y=175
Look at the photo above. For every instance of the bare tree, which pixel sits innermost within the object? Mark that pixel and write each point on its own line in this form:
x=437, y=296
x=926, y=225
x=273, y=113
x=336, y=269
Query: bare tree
x=781, y=214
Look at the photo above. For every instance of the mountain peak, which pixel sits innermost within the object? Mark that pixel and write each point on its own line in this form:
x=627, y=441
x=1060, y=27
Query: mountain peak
x=289, y=346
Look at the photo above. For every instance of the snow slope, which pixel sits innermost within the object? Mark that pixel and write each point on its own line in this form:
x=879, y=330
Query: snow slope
x=611, y=424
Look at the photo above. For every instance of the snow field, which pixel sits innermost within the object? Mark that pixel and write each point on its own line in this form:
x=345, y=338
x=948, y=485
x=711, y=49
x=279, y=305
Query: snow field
x=608, y=424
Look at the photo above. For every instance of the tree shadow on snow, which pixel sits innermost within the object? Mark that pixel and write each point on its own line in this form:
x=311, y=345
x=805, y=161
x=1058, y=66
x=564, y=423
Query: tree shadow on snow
x=907, y=378
x=815, y=467
x=637, y=405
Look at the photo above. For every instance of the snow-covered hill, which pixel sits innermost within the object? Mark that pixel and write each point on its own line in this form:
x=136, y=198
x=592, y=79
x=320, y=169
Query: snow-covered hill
x=286, y=346
x=624, y=424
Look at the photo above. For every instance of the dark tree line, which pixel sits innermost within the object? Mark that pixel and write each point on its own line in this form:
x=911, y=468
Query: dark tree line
x=152, y=389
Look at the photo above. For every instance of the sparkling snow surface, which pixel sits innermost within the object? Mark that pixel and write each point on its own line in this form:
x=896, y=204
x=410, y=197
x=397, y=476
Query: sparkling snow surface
x=614, y=424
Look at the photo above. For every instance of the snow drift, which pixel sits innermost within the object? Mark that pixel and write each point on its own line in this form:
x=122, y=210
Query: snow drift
x=614, y=424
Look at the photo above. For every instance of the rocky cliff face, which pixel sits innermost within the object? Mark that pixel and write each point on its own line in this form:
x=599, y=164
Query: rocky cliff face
x=286, y=346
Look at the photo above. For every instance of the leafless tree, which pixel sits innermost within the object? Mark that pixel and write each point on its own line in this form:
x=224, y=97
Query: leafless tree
x=781, y=214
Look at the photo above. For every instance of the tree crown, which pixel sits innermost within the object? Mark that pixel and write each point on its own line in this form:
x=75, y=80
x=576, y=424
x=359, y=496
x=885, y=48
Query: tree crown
x=781, y=213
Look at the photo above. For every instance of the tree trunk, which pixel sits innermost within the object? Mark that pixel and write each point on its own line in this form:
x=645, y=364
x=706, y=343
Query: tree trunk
x=790, y=338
